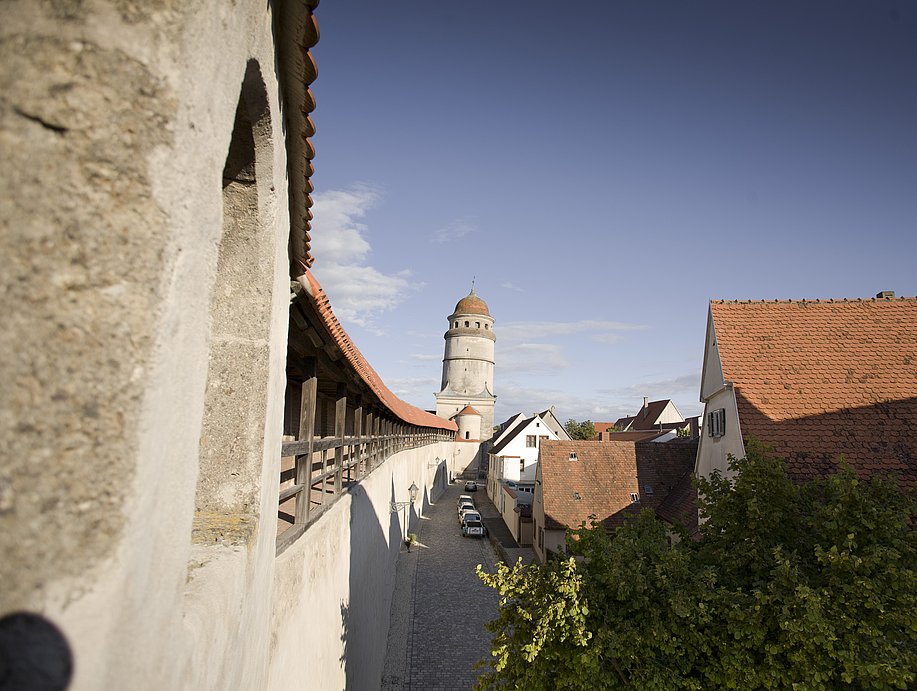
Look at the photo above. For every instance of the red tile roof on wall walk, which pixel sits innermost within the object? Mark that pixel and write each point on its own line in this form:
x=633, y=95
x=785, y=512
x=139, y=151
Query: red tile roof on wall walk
x=822, y=378
x=404, y=411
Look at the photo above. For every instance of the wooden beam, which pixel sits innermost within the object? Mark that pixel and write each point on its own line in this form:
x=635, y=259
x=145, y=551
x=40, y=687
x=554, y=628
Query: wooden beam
x=306, y=435
x=340, y=418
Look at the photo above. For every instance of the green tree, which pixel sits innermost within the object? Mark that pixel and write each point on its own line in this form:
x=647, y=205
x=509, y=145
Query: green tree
x=580, y=430
x=809, y=586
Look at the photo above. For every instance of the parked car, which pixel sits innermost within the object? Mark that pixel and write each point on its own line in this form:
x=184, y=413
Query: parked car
x=464, y=498
x=464, y=509
x=472, y=527
x=471, y=486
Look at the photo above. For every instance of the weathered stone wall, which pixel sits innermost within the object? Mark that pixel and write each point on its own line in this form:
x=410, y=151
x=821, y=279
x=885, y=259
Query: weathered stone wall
x=115, y=125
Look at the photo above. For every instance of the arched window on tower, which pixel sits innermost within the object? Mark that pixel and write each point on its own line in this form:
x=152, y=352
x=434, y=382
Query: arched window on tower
x=477, y=325
x=467, y=434
x=456, y=325
x=467, y=324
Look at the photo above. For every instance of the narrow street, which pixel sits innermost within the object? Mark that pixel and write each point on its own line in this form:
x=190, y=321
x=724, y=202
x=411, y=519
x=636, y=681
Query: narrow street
x=440, y=606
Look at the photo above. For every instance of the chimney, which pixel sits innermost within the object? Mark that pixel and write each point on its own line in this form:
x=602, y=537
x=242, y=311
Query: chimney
x=646, y=402
x=886, y=294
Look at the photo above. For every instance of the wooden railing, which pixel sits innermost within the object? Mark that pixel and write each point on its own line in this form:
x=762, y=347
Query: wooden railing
x=322, y=468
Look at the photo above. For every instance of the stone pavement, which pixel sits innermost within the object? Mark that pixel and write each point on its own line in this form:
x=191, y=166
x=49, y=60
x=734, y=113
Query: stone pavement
x=439, y=608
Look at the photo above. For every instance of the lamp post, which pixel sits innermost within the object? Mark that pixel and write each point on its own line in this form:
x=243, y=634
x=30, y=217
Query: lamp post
x=396, y=506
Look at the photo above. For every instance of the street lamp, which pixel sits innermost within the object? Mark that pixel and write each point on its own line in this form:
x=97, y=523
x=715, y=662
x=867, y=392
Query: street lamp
x=396, y=506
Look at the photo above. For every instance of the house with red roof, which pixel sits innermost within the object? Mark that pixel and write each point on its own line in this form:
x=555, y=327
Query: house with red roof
x=612, y=481
x=817, y=380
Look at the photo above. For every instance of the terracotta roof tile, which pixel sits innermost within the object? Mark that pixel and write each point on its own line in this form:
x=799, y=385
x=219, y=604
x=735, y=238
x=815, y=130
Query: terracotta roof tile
x=404, y=411
x=822, y=378
x=604, y=475
x=467, y=410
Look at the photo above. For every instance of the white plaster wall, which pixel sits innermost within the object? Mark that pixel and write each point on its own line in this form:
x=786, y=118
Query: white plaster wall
x=333, y=587
x=713, y=452
x=670, y=414
x=529, y=454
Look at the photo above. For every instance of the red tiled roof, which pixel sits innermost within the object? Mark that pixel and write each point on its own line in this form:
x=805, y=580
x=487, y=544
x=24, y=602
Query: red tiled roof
x=824, y=378
x=623, y=422
x=402, y=410
x=603, y=426
x=467, y=410
x=634, y=435
x=604, y=475
x=297, y=33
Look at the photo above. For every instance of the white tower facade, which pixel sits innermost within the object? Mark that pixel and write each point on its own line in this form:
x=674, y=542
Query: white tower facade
x=468, y=363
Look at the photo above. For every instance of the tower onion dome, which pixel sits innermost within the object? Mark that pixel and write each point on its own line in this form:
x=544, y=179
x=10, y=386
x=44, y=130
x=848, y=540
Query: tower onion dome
x=472, y=304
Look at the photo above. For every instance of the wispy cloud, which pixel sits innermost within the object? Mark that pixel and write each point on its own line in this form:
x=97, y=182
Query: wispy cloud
x=532, y=357
x=358, y=290
x=454, y=230
x=511, y=286
x=424, y=357
x=542, y=329
x=417, y=391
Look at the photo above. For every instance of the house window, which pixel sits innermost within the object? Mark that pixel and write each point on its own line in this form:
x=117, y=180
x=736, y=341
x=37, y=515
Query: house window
x=543, y=437
x=531, y=441
x=521, y=465
x=647, y=489
x=716, y=422
x=634, y=497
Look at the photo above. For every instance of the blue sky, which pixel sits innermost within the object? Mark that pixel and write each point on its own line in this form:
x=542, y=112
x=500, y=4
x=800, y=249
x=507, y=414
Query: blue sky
x=605, y=169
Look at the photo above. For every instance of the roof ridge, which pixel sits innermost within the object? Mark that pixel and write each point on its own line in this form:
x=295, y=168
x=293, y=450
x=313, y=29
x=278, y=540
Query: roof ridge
x=726, y=301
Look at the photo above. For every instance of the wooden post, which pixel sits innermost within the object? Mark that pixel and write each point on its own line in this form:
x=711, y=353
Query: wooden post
x=340, y=417
x=306, y=434
x=358, y=433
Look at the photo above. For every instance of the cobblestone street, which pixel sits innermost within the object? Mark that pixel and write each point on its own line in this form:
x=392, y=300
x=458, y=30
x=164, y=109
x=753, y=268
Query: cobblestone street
x=440, y=606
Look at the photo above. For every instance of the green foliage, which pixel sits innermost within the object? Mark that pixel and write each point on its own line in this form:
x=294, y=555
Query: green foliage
x=580, y=430
x=808, y=586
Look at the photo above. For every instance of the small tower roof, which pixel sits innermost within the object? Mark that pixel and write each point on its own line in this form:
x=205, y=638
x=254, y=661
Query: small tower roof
x=467, y=410
x=472, y=304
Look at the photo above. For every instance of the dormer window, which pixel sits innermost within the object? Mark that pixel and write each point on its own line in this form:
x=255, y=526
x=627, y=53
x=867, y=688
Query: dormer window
x=573, y=455
x=577, y=496
x=634, y=498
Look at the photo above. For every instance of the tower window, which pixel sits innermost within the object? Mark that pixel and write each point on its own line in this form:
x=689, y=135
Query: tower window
x=456, y=325
x=486, y=326
x=467, y=435
x=467, y=324
x=477, y=325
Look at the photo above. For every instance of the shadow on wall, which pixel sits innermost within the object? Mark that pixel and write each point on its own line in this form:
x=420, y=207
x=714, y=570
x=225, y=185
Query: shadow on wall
x=34, y=654
x=875, y=440
x=365, y=619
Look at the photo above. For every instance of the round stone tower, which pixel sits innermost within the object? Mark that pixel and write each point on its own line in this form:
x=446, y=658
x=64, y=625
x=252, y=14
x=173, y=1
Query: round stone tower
x=468, y=363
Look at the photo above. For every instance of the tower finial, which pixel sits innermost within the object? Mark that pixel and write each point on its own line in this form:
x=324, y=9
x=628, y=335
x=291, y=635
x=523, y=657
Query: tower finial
x=472, y=284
